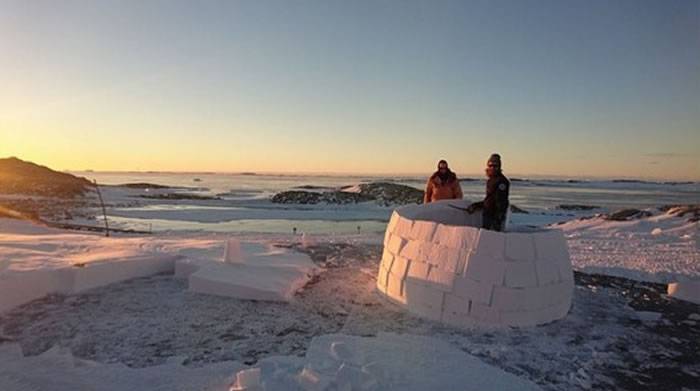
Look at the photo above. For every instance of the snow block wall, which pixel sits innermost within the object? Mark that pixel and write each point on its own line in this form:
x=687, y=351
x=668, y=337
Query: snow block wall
x=438, y=265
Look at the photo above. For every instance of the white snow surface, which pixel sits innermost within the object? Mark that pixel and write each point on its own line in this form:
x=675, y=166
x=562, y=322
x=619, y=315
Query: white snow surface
x=58, y=370
x=36, y=261
x=343, y=362
x=661, y=248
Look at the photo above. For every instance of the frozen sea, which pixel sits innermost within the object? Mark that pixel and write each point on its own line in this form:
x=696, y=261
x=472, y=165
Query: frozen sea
x=244, y=201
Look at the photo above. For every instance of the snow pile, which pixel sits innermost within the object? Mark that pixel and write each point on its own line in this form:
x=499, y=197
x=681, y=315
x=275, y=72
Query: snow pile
x=36, y=261
x=249, y=271
x=385, y=362
x=685, y=290
x=58, y=370
x=439, y=266
x=662, y=247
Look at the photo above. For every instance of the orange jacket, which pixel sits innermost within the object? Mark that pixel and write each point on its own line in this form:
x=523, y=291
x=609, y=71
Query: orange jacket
x=436, y=190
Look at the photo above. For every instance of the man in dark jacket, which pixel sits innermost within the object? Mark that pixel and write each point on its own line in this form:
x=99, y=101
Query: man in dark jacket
x=495, y=205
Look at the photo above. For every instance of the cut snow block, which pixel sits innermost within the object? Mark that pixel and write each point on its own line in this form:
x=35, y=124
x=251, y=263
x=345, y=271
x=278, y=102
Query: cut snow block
x=382, y=278
x=96, y=274
x=24, y=286
x=485, y=314
x=394, y=288
x=520, y=247
x=456, y=237
x=186, y=267
x=685, y=290
x=491, y=243
x=392, y=222
x=411, y=250
x=445, y=254
x=395, y=245
x=244, y=281
x=399, y=267
x=441, y=279
x=484, y=268
x=403, y=228
x=422, y=231
x=566, y=272
x=520, y=275
x=232, y=251
x=472, y=290
x=547, y=272
x=456, y=305
x=514, y=299
x=418, y=270
x=418, y=291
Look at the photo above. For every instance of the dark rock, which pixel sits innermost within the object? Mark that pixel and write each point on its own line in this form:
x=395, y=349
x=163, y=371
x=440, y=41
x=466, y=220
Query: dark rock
x=627, y=214
x=143, y=185
x=682, y=211
x=577, y=207
x=515, y=209
x=177, y=196
x=384, y=193
x=309, y=197
x=388, y=193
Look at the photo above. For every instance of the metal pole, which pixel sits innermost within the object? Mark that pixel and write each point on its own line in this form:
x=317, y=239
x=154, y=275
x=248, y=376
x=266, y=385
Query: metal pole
x=104, y=211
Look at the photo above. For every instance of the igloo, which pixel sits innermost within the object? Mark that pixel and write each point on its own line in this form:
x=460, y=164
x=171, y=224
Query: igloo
x=437, y=264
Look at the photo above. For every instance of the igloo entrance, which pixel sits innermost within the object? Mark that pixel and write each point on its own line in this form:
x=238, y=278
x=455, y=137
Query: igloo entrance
x=438, y=264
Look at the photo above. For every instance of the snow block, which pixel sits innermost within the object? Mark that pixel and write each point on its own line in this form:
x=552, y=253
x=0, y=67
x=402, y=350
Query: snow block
x=399, y=267
x=491, y=243
x=418, y=291
x=473, y=290
x=515, y=299
x=474, y=276
x=484, y=268
x=547, y=272
x=382, y=278
x=244, y=281
x=97, y=274
x=485, y=314
x=520, y=275
x=395, y=245
x=186, y=267
x=520, y=247
x=422, y=231
x=392, y=222
x=394, y=288
x=456, y=237
x=456, y=305
x=441, y=279
x=403, y=228
x=685, y=290
x=411, y=250
x=418, y=270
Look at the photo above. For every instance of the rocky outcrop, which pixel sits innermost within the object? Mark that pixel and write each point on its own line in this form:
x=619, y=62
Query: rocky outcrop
x=22, y=177
x=387, y=193
x=310, y=197
x=383, y=193
x=627, y=214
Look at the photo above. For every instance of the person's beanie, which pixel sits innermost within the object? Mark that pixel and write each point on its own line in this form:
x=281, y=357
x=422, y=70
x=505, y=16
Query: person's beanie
x=496, y=159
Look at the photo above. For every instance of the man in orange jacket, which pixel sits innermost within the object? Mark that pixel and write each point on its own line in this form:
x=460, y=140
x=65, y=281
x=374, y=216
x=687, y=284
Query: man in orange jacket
x=442, y=185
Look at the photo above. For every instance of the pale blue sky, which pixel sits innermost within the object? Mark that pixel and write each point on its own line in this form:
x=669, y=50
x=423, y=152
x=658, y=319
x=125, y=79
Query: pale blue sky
x=574, y=88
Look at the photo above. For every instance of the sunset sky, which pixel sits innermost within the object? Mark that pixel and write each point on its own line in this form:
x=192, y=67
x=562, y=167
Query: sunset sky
x=571, y=88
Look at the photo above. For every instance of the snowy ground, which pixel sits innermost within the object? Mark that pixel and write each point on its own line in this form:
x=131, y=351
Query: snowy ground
x=604, y=343
x=620, y=333
x=664, y=247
